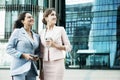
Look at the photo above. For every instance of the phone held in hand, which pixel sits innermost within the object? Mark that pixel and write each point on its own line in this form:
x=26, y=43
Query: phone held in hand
x=48, y=39
x=35, y=56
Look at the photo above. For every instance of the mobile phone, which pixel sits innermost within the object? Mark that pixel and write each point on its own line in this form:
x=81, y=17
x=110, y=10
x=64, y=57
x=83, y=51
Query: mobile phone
x=47, y=39
x=35, y=56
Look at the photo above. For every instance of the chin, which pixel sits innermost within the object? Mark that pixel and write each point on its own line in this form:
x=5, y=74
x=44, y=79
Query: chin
x=31, y=23
x=54, y=22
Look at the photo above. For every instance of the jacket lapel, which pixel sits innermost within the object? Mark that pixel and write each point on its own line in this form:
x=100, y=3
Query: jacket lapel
x=26, y=35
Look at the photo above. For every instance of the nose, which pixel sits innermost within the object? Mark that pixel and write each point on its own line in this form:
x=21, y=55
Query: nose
x=32, y=18
x=54, y=17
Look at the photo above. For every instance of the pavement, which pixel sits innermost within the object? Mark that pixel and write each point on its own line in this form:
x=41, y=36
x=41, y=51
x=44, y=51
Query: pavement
x=77, y=74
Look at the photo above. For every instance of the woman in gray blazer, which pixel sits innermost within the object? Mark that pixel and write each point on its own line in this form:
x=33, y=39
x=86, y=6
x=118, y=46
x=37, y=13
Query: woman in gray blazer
x=23, y=45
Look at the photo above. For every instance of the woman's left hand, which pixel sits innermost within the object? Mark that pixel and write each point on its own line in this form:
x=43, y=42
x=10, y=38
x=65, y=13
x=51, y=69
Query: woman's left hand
x=49, y=42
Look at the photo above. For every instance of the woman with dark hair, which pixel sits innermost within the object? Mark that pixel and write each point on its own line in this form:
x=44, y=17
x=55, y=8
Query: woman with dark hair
x=55, y=42
x=24, y=47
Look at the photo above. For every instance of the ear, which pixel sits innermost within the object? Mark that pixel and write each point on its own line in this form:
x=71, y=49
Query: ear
x=46, y=19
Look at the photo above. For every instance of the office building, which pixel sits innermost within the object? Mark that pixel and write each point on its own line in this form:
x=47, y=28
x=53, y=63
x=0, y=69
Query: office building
x=94, y=32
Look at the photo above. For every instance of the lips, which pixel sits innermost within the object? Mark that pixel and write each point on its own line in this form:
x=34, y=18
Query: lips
x=54, y=18
x=31, y=20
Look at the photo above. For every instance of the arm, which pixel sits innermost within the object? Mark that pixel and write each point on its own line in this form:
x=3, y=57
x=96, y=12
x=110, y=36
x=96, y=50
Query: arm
x=65, y=41
x=12, y=43
x=60, y=47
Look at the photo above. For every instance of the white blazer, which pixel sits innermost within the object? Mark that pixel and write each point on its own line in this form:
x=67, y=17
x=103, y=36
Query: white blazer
x=58, y=35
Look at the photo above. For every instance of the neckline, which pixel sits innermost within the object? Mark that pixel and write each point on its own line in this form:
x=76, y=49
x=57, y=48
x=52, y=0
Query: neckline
x=47, y=30
x=32, y=36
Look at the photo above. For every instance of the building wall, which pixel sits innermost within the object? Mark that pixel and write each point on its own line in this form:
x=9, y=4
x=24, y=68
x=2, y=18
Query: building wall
x=94, y=26
x=103, y=30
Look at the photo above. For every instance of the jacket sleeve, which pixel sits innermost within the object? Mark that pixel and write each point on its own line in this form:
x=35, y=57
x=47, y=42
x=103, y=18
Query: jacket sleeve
x=65, y=40
x=12, y=43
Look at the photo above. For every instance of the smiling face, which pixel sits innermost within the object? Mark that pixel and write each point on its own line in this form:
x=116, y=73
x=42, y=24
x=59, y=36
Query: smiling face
x=51, y=19
x=28, y=20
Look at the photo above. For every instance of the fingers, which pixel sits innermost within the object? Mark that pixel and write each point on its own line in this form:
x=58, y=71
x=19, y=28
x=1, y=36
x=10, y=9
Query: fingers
x=48, y=42
x=30, y=57
x=35, y=58
x=27, y=56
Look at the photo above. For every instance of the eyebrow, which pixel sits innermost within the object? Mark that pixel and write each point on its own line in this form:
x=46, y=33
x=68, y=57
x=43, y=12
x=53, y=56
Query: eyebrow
x=53, y=14
x=29, y=16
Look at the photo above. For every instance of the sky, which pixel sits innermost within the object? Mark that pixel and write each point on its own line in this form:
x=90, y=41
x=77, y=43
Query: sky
x=69, y=2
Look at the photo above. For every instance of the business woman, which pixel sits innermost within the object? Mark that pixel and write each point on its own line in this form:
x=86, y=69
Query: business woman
x=55, y=42
x=23, y=44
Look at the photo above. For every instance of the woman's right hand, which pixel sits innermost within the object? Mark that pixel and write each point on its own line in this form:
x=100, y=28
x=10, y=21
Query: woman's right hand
x=27, y=56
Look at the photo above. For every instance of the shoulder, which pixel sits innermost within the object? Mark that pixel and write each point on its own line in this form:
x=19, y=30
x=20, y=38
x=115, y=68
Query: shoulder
x=59, y=27
x=42, y=31
x=16, y=31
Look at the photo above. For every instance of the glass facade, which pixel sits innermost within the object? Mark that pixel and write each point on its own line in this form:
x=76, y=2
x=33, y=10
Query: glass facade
x=14, y=7
x=102, y=37
x=93, y=30
x=78, y=23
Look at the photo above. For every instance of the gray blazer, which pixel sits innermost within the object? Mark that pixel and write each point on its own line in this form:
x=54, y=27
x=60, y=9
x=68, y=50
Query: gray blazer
x=19, y=43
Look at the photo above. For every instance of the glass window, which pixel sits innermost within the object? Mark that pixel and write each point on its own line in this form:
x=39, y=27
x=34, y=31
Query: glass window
x=114, y=18
x=101, y=19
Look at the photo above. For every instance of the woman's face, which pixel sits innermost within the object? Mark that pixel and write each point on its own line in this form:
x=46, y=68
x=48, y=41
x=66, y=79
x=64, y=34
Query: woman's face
x=28, y=21
x=51, y=19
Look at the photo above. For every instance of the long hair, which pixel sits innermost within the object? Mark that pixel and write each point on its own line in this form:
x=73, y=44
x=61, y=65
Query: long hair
x=18, y=23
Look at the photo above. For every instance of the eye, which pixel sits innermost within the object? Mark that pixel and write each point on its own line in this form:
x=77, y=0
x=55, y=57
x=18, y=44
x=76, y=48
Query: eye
x=53, y=14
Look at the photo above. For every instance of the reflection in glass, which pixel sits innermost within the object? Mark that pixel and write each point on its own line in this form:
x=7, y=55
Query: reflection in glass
x=103, y=38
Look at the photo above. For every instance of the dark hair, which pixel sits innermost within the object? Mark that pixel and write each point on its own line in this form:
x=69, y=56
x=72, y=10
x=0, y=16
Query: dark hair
x=18, y=23
x=46, y=13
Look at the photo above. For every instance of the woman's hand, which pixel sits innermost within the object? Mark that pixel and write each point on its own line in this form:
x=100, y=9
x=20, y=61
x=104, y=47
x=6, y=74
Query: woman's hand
x=58, y=46
x=49, y=42
x=29, y=57
x=35, y=57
